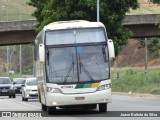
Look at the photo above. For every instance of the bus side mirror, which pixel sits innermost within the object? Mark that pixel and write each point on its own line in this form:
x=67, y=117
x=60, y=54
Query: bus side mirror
x=111, y=49
x=41, y=53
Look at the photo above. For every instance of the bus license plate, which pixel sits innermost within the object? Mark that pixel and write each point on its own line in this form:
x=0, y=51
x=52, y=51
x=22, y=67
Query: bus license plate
x=79, y=98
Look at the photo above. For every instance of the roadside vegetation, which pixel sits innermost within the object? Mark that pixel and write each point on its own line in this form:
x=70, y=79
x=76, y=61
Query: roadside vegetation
x=137, y=80
x=11, y=10
x=11, y=76
x=13, y=59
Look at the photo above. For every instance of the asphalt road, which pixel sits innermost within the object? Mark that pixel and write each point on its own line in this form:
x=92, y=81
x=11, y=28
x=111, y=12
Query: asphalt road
x=119, y=103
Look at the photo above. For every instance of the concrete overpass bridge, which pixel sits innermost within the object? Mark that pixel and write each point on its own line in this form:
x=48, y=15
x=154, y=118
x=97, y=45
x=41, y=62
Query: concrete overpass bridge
x=23, y=32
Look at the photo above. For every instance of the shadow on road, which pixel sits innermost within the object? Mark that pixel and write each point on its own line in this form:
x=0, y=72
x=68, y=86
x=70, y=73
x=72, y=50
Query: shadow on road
x=32, y=100
x=75, y=113
x=6, y=97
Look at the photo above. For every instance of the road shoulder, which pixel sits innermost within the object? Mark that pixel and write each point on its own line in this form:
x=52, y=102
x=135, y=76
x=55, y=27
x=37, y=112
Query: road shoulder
x=145, y=96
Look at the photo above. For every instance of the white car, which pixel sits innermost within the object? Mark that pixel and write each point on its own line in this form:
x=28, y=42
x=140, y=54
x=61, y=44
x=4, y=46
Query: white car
x=29, y=89
x=17, y=83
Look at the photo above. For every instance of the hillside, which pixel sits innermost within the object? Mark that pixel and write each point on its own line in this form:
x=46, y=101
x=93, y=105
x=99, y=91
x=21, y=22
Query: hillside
x=146, y=7
x=19, y=10
x=15, y=10
x=132, y=56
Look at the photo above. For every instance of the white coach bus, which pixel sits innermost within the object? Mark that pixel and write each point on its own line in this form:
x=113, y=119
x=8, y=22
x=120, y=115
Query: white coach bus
x=73, y=65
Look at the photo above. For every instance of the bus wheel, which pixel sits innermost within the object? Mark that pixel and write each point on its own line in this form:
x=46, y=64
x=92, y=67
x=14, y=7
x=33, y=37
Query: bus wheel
x=22, y=98
x=102, y=107
x=14, y=96
x=44, y=107
x=25, y=99
x=39, y=99
x=51, y=110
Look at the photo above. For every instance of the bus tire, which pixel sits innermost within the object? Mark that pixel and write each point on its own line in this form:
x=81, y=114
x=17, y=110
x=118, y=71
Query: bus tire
x=22, y=98
x=25, y=99
x=51, y=110
x=44, y=107
x=39, y=98
x=14, y=96
x=102, y=107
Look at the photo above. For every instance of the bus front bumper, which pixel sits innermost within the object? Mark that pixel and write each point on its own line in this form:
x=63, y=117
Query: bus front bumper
x=58, y=99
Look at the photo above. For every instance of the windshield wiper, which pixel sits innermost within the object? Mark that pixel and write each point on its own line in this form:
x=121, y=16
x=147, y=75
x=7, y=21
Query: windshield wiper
x=47, y=54
x=70, y=69
x=84, y=69
x=104, y=53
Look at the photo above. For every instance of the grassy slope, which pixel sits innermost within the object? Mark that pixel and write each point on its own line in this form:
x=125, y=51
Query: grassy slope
x=146, y=8
x=17, y=7
x=137, y=81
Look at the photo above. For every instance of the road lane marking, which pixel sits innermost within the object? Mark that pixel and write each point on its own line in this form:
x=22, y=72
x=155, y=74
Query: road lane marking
x=27, y=104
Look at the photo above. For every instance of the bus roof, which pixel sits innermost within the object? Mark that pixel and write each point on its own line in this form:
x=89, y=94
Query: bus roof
x=67, y=25
x=72, y=24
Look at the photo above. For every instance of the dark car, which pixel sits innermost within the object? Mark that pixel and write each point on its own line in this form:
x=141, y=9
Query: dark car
x=6, y=87
x=18, y=82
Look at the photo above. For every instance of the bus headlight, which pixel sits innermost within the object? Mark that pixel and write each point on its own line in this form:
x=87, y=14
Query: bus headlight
x=53, y=90
x=104, y=87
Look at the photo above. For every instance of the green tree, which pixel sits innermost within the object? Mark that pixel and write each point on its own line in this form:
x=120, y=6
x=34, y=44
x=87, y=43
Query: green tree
x=39, y=5
x=153, y=46
x=158, y=17
x=112, y=14
x=27, y=59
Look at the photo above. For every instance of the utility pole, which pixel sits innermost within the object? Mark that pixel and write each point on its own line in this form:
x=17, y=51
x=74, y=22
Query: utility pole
x=98, y=11
x=20, y=60
x=33, y=62
x=20, y=47
x=146, y=56
x=8, y=60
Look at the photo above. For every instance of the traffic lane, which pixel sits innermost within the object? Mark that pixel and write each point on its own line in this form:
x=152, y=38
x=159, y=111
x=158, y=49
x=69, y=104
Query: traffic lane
x=60, y=112
x=128, y=103
x=85, y=114
x=15, y=104
x=120, y=103
x=11, y=104
x=32, y=102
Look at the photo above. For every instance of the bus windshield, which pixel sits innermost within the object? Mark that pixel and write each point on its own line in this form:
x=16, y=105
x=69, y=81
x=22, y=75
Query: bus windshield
x=77, y=64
